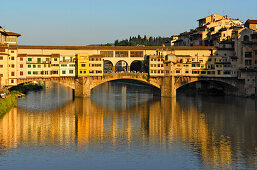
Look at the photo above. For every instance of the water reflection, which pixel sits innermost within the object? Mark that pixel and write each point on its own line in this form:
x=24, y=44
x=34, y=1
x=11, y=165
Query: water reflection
x=221, y=132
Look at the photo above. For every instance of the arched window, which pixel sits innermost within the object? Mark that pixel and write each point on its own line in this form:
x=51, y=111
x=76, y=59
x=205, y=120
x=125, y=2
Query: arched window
x=246, y=38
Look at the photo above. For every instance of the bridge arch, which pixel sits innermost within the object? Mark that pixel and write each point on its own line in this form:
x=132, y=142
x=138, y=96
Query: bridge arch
x=65, y=81
x=220, y=86
x=140, y=77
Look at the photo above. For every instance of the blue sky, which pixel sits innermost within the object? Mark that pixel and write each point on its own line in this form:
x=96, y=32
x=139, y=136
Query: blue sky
x=83, y=22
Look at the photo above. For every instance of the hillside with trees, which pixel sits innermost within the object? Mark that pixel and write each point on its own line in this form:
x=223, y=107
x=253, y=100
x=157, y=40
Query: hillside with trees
x=146, y=41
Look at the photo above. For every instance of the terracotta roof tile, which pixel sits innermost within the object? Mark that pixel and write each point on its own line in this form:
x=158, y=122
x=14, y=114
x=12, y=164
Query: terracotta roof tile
x=12, y=34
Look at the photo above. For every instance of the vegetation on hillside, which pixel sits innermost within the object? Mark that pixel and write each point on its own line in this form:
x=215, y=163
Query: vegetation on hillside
x=144, y=41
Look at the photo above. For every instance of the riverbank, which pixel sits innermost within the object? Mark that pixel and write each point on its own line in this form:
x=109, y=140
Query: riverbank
x=7, y=104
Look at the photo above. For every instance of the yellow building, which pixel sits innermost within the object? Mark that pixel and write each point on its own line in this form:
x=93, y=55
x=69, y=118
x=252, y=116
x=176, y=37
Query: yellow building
x=82, y=65
x=89, y=65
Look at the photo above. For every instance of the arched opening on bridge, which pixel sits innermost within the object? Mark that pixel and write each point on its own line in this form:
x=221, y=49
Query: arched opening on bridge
x=122, y=66
x=108, y=66
x=128, y=88
x=46, y=86
x=136, y=66
x=207, y=87
x=53, y=96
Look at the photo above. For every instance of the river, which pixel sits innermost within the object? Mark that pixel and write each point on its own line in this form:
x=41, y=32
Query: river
x=123, y=126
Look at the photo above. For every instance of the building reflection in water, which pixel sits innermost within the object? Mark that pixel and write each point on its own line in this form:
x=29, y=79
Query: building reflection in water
x=219, y=132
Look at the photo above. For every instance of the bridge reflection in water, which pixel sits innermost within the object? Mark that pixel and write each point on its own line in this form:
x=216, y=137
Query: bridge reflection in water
x=220, y=136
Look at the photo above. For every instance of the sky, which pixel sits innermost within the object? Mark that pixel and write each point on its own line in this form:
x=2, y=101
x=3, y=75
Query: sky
x=85, y=22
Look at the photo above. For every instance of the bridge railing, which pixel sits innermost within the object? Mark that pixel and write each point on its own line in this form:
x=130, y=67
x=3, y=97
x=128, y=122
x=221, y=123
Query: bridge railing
x=126, y=75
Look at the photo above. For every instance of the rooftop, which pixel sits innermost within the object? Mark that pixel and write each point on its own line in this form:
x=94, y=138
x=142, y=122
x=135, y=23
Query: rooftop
x=112, y=47
x=251, y=21
x=12, y=34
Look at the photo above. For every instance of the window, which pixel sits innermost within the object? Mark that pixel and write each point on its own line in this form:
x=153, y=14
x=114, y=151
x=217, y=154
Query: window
x=1, y=66
x=12, y=58
x=42, y=72
x=38, y=60
x=83, y=65
x=34, y=66
x=136, y=54
x=21, y=65
x=81, y=72
x=248, y=54
x=29, y=72
x=106, y=53
x=21, y=58
x=29, y=59
x=21, y=73
x=121, y=54
x=246, y=38
x=54, y=64
x=12, y=81
x=35, y=72
x=55, y=59
x=63, y=72
x=12, y=73
x=12, y=65
x=29, y=66
x=85, y=72
x=248, y=62
x=71, y=71
x=54, y=72
x=64, y=65
x=1, y=57
x=38, y=66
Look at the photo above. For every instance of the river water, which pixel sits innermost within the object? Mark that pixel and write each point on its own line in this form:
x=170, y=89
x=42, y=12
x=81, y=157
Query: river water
x=122, y=126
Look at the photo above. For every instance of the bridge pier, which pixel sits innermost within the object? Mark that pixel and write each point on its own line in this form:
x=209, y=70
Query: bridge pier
x=82, y=87
x=168, y=88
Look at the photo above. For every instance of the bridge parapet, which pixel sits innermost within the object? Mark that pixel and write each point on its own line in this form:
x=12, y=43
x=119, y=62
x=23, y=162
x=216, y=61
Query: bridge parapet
x=126, y=75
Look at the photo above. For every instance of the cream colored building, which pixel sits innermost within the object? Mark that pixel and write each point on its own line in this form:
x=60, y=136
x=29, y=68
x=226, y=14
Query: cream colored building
x=192, y=61
x=211, y=31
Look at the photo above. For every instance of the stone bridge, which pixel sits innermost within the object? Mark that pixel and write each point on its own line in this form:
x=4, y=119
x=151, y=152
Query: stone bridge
x=65, y=81
x=167, y=84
